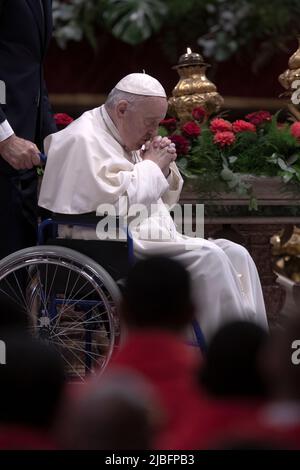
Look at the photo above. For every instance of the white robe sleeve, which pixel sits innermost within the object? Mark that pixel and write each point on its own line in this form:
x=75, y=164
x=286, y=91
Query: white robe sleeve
x=175, y=182
x=83, y=173
x=147, y=183
x=142, y=183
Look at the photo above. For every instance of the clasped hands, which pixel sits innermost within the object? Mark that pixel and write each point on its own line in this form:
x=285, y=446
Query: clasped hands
x=161, y=151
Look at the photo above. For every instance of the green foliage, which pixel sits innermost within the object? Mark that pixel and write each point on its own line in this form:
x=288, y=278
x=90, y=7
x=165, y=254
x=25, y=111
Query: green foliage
x=134, y=21
x=257, y=27
x=221, y=27
x=76, y=19
x=131, y=21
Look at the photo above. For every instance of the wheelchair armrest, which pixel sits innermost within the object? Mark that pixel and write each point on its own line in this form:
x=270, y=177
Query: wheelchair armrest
x=89, y=218
x=84, y=220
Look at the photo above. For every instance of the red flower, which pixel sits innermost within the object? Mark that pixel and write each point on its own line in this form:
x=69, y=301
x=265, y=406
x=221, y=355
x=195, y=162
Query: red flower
x=243, y=126
x=181, y=143
x=199, y=114
x=259, y=117
x=170, y=124
x=220, y=125
x=191, y=129
x=62, y=120
x=295, y=130
x=224, y=138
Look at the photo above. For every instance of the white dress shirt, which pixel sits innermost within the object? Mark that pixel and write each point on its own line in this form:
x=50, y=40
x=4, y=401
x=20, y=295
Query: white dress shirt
x=5, y=130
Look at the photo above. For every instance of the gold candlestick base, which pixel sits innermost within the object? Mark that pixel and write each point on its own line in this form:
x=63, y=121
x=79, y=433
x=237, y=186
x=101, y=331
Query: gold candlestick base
x=288, y=80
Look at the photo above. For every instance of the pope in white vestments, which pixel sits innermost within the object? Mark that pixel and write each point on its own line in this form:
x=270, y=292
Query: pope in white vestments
x=98, y=160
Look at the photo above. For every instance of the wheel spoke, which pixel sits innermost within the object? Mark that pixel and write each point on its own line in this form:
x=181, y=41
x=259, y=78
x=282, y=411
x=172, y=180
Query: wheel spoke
x=42, y=294
x=13, y=299
x=72, y=304
x=81, y=323
x=21, y=292
x=53, y=278
x=68, y=362
x=77, y=327
x=63, y=309
x=81, y=341
x=72, y=352
x=81, y=315
x=92, y=355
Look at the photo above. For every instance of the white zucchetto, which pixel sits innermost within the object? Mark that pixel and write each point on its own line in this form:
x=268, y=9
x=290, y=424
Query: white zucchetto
x=141, y=84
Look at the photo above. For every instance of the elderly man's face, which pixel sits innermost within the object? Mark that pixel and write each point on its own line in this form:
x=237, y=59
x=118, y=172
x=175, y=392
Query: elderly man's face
x=139, y=122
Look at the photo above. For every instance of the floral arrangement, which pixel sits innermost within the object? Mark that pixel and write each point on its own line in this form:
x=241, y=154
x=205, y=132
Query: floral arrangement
x=62, y=120
x=219, y=153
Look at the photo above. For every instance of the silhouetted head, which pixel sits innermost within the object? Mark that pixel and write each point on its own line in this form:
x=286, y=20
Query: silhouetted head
x=157, y=294
x=281, y=362
x=117, y=413
x=231, y=368
x=31, y=381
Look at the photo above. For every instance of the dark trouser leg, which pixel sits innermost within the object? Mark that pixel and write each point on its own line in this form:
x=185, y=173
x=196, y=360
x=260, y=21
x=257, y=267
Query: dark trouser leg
x=18, y=227
x=18, y=207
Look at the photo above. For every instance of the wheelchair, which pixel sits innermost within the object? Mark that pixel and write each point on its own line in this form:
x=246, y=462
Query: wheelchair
x=70, y=290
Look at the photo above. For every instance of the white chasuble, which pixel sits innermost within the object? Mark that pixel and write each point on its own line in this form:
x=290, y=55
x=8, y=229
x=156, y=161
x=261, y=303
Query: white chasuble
x=88, y=168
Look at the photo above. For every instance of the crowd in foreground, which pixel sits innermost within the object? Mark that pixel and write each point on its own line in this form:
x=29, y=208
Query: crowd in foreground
x=158, y=392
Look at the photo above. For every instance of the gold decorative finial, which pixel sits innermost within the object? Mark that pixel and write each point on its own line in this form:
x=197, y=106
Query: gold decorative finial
x=286, y=252
x=193, y=89
x=288, y=79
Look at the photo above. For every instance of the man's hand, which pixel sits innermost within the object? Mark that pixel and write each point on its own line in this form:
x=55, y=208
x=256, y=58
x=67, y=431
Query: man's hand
x=161, y=151
x=21, y=154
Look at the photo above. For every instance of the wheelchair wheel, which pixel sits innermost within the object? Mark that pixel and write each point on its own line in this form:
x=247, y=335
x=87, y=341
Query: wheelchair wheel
x=70, y=301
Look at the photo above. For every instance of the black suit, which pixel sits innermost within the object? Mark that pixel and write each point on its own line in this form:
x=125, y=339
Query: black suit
x=25, y=32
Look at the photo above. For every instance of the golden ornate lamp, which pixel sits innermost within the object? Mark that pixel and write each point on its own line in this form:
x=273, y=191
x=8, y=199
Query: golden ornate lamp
x=288, y=80
x=193, y=89
x=286, y=245
x=286, y=252
x=286, y=265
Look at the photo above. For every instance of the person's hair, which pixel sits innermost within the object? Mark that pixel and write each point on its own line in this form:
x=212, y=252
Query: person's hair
x=31, y=381
x=116, y=413
x=231, y=368
x=115, y=96
x=157, y=294
x=280, y=366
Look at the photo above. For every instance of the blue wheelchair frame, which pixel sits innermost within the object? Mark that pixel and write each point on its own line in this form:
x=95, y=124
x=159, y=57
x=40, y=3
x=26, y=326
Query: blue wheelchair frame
x=53, y=224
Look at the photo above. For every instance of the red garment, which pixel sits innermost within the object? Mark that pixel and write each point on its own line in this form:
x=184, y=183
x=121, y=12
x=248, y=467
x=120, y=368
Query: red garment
x=211, y=424
x=195, y=421
x=170, y=366
x=277, y=424
x=16, y=437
